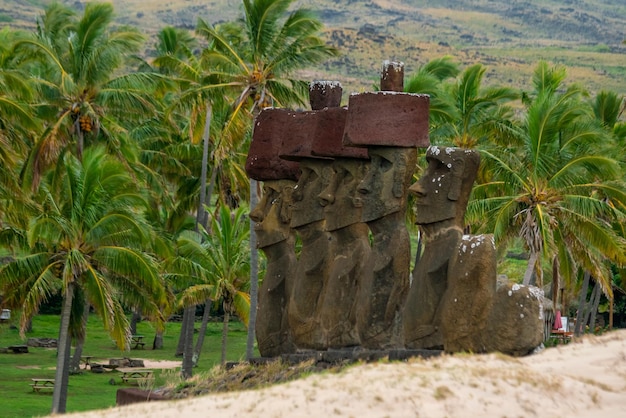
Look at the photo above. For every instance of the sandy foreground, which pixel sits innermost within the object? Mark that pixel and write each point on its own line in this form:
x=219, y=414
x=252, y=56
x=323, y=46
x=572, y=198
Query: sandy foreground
x=581, y=379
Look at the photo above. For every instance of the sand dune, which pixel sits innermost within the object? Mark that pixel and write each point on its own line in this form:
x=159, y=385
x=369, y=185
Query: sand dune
x=581, y=379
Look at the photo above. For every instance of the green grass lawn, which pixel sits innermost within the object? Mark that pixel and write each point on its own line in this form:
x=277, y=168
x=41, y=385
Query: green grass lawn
x=88, y=391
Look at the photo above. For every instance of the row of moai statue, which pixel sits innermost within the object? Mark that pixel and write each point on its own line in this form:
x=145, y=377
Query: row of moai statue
x=338, y=178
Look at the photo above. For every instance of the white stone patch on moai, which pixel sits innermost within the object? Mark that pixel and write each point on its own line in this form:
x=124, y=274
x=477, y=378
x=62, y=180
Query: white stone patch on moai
x=325, y=83
x=396, y=65
x=433, y=150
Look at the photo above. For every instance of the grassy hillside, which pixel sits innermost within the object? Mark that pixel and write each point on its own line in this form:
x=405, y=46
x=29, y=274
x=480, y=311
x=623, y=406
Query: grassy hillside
x=508, y=36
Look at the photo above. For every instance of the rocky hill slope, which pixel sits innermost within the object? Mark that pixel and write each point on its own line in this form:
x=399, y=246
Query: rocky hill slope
x=508, y=36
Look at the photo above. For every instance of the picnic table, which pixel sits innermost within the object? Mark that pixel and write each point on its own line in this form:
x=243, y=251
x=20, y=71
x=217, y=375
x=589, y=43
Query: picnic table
x=136, y=374
x=137, y=340
x=86, y=360
x=42, y=384
x=562, y=335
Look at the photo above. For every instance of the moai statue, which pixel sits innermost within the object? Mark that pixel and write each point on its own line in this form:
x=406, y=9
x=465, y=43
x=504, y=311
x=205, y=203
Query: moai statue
x=442, y=194
x=274, y=235
x=307, y=217
x=350, y=246
x=454, y=302
x=390, y=124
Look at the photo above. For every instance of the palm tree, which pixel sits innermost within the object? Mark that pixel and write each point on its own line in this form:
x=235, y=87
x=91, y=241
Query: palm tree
x=17, y=123
x=258, y=56
x=430, y=79
x=608, y=108
x=88, y=243
x=75, y=62
x=198, y=111
x=218, y=265
x=480, y=112
x=559, y=189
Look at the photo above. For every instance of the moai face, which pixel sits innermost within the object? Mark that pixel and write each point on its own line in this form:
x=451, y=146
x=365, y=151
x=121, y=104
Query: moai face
x=383, y=189
x=443, y=190
x=272, y=212
x=313, y=179
x=340, y=199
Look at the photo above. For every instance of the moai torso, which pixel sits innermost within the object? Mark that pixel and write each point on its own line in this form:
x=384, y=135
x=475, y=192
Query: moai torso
x=311, y=271
x=277, y=241
x=441, y=197
x=350, y=251
x=385, y=281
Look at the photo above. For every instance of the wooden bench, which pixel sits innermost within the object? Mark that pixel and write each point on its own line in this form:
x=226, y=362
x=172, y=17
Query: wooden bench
x=561, y=335
x=137, y=340
x=136, y=374
x=42, y=384
x=18, y=349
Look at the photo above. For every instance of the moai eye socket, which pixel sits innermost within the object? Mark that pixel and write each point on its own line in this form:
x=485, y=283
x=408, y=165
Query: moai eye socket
x=384, y=164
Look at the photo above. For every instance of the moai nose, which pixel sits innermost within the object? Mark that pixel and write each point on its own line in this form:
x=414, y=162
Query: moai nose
x=364, y=187
x=326, y=198
x=417, y=189
x=257, y=214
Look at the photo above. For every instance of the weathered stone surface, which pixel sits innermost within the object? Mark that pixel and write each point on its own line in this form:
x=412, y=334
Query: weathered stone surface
x=392, y=76
x=441, y=199
x=515, y=324
x=298, y=134
x=307, y=218
x=383, y=190
x=136, y=363
x=350, y=252
x=120, y=362
x=325, y=94
x=309, y=281
x=277, y=241
x=128, y=396
x=42, y=342
x=340, y=199
x=385, y=279
x=387, y=119
x=470, y=295
x=263, y=162
x=328, y=135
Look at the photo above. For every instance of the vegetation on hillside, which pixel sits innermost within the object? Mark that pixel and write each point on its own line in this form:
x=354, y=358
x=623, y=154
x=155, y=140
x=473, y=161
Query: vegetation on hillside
x=509, y=37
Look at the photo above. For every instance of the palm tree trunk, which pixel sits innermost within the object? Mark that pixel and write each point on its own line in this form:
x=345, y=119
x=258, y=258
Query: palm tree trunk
x=59, y=395
x=180, y=348
x=555, y=282
x=578, y=330
x=529, y=276
x=201, y=217
x=611, y=303
x=254, y=274
x=80, y=343
x=134, y=319
x=157, y=344
x=225, y=335
x=187, y=369
x=589, y=305
x=594, y=308
x=203, y=327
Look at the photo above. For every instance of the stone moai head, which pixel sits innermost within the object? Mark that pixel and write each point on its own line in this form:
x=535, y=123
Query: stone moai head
x=340, y=199
x=391, y=125
x=272, y=213
x=444, y=188
x=302, y=131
